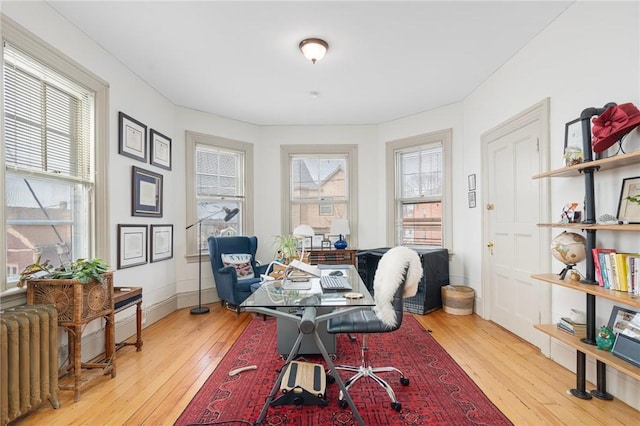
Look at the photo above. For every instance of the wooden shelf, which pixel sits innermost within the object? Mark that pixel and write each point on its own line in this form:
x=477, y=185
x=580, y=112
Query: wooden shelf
x=620, y=160
x=603, y=356
x=594, y=289
x=596, y=226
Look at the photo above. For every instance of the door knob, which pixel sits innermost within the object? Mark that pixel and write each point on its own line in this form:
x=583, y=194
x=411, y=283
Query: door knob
x=489, y=206
x=490, y=246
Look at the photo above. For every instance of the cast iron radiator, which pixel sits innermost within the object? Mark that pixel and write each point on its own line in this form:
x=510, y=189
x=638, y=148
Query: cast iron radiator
x=28, y=359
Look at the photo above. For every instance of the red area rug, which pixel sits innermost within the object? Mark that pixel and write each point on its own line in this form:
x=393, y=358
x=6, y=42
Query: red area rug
x=440, y=392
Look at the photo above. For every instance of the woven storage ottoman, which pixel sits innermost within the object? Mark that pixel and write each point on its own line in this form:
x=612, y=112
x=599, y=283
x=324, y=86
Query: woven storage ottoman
x=457, y=299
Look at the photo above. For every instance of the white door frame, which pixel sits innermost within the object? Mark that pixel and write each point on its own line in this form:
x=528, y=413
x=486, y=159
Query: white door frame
x=540, y=112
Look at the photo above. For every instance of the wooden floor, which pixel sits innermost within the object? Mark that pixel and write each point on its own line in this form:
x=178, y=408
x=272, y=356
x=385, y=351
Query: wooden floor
x=152, y=387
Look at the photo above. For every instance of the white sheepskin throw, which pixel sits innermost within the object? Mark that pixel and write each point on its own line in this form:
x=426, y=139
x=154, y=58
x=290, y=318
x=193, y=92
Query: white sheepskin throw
x=389, y=276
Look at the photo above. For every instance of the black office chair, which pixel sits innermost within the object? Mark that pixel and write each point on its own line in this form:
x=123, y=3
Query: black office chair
x=397, y=276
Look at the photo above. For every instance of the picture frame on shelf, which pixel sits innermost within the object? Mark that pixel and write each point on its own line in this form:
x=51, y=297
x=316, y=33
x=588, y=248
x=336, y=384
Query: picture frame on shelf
x=472, y=199
x=326, y=244
x=146, y=193
x=573, y=133
x=625, y=321
x=132, y=137
x=316, y=242
x=629, y=210
x=132, y=245
x=160, y=153
x=333, y=239
x=161, y=242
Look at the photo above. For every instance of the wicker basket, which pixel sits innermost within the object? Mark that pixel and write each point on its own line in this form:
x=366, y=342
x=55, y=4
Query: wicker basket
x=76, y=303
x=457, y=299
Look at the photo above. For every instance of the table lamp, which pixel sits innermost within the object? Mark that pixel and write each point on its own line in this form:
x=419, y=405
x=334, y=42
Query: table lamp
x=303, y=232
x=340, y=227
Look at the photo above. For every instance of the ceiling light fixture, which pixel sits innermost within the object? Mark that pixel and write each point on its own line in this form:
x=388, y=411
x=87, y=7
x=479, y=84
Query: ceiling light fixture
x=314, y=49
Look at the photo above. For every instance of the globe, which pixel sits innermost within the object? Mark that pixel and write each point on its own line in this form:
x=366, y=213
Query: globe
x=569, y=248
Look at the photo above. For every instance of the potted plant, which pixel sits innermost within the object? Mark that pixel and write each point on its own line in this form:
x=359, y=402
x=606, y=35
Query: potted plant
x=81, y=290
x=286, y=248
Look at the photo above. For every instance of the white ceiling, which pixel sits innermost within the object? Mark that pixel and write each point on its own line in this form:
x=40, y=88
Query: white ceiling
x=386, y=59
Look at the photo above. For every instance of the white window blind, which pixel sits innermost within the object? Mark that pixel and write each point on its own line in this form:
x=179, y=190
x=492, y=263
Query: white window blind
x=48, y=119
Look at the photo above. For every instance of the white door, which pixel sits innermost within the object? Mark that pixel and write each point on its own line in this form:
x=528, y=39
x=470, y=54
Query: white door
x=512, y=155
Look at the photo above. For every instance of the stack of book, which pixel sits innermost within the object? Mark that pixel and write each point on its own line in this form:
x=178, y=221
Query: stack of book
x=617, y=271
x=567, y=325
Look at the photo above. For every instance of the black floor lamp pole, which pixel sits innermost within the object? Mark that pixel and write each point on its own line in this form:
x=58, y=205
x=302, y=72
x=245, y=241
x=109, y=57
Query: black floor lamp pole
x=200, y=309
x=230, y=213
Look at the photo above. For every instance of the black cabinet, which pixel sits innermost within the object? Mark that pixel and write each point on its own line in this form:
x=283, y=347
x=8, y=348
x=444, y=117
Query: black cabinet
x=435, y=264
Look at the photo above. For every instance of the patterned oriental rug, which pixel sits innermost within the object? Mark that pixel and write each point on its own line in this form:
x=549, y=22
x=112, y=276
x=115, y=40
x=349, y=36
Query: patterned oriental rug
x=439, y=393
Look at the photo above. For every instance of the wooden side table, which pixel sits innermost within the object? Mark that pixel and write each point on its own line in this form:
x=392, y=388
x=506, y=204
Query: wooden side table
x=126, y=297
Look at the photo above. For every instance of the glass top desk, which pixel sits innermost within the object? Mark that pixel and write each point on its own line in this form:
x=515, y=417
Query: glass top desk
x=272, y=294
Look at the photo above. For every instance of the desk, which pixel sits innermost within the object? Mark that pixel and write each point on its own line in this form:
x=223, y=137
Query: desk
x=272, y=294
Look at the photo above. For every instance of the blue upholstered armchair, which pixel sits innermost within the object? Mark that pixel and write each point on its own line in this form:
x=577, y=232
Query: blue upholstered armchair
x=233, y=261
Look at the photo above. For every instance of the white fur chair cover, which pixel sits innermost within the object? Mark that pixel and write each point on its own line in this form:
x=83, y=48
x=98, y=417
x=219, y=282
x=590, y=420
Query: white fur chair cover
x=389, y=275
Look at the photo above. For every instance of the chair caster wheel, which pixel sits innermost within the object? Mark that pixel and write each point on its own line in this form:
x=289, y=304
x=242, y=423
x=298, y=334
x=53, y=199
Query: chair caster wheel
x=396, y=406
x=330, y=379
x=404, y=381
x=343, y=403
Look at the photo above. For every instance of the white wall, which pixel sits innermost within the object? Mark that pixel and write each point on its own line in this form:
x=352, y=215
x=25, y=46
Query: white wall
x=589, y=56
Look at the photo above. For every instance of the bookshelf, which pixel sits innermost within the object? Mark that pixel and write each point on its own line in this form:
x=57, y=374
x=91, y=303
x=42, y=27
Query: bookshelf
x=589, y=286
x=333, y=257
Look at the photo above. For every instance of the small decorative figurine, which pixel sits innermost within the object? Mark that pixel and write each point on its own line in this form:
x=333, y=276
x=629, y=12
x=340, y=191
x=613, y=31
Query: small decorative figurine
x=605, y=338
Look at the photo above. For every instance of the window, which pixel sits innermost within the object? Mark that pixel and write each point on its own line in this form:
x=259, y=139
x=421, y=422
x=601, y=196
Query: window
x=320, y=183
x=217, y=187
x=54, y=114
x=419, y=195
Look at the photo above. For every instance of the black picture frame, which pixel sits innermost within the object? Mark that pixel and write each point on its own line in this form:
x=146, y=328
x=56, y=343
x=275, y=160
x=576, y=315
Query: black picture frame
x=573, y=134
x=132, y=245
x=628, y=211
x=146, y=193
x=161, y=242
x=132, y=137
x=160, y=150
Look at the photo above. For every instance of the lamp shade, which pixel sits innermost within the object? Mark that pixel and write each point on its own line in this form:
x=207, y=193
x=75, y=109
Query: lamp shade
x=340, y=227
x=303, y=231
x=313, y=49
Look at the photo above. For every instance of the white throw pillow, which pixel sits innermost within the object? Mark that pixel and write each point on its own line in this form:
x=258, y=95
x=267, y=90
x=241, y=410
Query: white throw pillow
x=241, y=263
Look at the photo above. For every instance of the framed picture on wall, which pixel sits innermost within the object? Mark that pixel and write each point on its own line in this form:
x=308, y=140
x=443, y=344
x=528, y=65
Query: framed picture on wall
x=147, y=193
x=132, y=137
x=629, y=203
x=160, y=150
x=472, y=199
x=132, y=245
x=161, y=242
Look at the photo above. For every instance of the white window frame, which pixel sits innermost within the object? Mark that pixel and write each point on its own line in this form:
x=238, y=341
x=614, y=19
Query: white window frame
x=393, y=149
x=287, y=152
x=193, y=139
x=56, y=60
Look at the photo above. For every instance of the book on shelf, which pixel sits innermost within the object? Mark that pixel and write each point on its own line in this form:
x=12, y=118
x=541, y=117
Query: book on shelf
x=579, y=333
x=572, y=325
x=605, y=269
x=596, y=263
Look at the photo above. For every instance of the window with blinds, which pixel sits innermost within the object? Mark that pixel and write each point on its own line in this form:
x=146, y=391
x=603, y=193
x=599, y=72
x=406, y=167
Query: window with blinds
x=49, y=164
x=419, y=200
x=219, y=184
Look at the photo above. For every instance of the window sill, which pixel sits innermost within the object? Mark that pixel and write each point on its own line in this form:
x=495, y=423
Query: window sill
x=13, y=297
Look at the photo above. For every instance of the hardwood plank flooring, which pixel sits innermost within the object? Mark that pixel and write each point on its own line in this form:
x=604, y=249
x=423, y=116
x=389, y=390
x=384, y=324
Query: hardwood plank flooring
x=152, y=387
